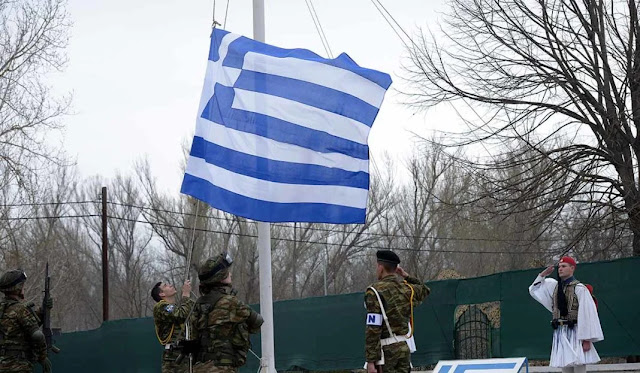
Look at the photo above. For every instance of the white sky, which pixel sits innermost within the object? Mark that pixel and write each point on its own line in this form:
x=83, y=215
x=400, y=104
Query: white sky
x=136, y=70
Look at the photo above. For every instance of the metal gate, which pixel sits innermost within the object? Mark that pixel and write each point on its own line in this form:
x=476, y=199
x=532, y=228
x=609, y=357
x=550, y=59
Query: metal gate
x=472, y=335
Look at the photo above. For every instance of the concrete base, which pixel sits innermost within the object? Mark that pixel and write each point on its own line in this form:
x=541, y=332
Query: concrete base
x=619, y=368
x=626, y=368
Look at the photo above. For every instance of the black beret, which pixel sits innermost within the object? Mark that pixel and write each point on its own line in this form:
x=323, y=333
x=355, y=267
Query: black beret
x=387, y=256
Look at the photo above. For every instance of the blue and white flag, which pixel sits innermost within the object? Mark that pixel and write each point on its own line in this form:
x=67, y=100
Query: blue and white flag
x=281, y=134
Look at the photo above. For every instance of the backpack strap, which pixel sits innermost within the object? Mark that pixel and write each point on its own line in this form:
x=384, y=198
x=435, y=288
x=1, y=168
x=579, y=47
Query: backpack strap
x=212, y=298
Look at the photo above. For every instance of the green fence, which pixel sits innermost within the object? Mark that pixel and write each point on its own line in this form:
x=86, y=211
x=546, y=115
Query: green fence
x=327, y=333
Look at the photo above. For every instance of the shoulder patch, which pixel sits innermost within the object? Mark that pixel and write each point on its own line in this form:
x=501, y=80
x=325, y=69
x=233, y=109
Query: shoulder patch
x=169, y=307
x=374, y=319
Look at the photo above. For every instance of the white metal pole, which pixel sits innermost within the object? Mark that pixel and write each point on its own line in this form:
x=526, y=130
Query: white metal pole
x=268, y=363
x=258, y=20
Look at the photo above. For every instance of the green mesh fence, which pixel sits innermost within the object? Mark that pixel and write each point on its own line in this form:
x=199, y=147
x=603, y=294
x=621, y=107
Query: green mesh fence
x=327, y=333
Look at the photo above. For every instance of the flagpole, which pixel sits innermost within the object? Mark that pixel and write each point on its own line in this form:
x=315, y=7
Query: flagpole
x=268, y=364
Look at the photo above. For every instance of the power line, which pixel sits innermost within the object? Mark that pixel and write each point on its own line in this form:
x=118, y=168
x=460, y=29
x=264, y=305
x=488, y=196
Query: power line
x=368, y=247
x=46, y=204
x=318, y=229
x=48, y=217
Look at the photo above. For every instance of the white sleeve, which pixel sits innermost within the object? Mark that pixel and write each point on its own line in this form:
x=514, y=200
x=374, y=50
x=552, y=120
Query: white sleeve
x=542, y=291
x=589, y=328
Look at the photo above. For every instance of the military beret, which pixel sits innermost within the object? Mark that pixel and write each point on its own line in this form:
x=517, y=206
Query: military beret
x=387, y=256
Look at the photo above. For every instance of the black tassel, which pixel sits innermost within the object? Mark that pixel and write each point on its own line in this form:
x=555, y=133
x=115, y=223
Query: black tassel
x=562, y=299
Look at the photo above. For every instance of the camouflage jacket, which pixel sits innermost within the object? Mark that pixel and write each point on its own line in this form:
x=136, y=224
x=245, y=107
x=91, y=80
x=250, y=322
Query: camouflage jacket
x=17, y=324
x=222, y=324
x=169, y=320
x=395, y=295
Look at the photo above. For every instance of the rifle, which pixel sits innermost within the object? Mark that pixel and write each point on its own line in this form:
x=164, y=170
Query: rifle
x=46, y=314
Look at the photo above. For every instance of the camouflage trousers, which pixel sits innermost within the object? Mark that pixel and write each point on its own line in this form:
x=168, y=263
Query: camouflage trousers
x=12, y=365
x=169, y=364
x=209, y=367
x=397, y=358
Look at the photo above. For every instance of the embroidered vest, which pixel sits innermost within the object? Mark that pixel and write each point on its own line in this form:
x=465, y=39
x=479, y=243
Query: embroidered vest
x=572, y=301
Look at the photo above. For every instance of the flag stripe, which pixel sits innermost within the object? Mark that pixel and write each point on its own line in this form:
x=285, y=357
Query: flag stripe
x=216, y=42
x=276, y=192
x=318, y=73
x=311, y=94
x=277, y=129
x=301, y=114
x=240, y=47
x=268, y=211
x=277, y=171
x=266, y=148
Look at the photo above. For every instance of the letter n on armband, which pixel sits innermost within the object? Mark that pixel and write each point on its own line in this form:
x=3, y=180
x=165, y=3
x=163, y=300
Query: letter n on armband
x=374, y=319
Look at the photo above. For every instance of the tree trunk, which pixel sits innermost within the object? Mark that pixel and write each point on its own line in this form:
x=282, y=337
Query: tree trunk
x=634, y=223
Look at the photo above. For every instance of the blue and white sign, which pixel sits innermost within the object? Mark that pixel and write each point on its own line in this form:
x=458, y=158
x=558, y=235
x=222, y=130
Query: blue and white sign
x=509, y=365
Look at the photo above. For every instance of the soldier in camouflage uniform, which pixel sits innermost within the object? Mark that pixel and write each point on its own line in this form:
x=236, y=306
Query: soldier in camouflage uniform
x=221, y=322
x=169, y=319
x=387, y=341
x=22, y=343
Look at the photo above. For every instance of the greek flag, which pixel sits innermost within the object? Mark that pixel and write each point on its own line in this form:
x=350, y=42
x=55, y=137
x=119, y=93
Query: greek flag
x=281, y=134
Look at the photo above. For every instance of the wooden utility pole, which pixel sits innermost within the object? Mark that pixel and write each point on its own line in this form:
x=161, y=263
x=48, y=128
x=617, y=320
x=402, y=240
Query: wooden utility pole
x=105, y=258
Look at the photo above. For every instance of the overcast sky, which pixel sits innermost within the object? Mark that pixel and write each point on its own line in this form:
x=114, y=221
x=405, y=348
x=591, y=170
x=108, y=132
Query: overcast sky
x=136, y=70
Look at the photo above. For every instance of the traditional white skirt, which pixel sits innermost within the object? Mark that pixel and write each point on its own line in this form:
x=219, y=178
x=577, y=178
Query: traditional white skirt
x=567, y=349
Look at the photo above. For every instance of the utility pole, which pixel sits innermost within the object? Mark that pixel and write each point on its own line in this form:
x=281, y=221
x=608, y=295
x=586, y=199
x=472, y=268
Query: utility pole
x=105, y=258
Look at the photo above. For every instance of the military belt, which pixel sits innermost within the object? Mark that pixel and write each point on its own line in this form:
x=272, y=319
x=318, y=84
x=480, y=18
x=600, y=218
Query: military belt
x=205, y=357
x=392, y=340
x=560, y=322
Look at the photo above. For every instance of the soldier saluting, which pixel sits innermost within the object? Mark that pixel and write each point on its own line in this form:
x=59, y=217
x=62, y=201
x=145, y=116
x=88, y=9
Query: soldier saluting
x=21, y=341
x=389, y=304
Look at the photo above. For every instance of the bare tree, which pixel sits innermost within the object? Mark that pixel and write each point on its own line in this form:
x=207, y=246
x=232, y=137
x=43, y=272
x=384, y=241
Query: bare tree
x=33, y=35
x=190, y=230
x=561, y=77
x=132, y=267
x=418, y=213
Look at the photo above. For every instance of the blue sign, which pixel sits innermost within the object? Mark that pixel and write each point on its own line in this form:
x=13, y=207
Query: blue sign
x=509, y=365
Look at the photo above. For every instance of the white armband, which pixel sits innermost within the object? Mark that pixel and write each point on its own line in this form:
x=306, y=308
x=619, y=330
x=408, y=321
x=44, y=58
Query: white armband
x=374, y=319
